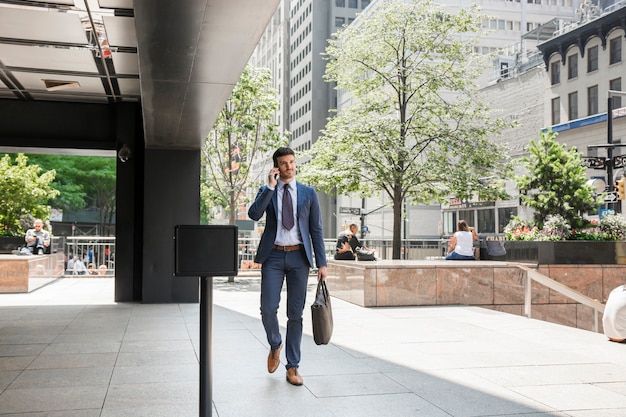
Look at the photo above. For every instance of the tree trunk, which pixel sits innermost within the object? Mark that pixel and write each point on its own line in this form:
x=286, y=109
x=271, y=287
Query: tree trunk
x=232, y=217
x=397, y=223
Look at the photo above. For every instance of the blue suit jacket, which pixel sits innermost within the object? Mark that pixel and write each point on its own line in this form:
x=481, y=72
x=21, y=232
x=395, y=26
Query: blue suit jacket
x=309, y=221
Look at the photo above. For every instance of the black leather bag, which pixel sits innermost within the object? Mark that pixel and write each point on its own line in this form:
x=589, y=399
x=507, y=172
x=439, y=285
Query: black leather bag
x=495, y=248
x=322, y=315
x=365, y=255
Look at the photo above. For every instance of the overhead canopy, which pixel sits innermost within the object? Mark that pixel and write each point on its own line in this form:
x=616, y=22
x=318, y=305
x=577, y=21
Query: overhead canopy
x=178, y=59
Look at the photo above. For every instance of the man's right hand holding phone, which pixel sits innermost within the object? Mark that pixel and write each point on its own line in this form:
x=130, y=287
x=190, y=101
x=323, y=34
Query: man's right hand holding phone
x=272, y=178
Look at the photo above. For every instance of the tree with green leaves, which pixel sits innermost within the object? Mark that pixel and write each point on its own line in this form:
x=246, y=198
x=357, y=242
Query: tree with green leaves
x=556, y=182
x=415, y=129
x=243, y=133
x=26, y=190
x=83, y=182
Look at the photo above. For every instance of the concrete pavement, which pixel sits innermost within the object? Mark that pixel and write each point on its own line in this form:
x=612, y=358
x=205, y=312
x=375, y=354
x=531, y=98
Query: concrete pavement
x=68, y=350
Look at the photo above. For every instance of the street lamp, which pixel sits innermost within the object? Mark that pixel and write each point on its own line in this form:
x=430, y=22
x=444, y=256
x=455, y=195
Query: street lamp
x=611, y=163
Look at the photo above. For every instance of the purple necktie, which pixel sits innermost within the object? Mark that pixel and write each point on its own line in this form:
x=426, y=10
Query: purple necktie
x=287, y=208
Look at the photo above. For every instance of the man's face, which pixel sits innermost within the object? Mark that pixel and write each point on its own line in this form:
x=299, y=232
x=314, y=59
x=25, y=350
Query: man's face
x=286, y=167
x=354, y=229
x=38, y=226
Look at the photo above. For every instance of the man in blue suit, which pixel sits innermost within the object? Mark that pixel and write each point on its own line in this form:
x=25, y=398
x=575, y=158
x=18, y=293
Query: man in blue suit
x=293, y=237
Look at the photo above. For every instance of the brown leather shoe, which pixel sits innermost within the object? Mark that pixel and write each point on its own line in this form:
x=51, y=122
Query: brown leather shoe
x=273, y=359
x=294, y=377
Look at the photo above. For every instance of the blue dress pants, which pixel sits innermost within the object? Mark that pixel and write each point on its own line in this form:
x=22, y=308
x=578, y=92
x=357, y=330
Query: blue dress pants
x=292, y=267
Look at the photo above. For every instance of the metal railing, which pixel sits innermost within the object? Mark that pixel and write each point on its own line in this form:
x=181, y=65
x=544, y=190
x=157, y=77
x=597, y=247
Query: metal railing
x=96, y=250
x=533, y=275
x=411, y=249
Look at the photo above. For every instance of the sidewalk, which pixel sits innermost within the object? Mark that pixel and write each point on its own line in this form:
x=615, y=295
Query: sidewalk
x=67, y=350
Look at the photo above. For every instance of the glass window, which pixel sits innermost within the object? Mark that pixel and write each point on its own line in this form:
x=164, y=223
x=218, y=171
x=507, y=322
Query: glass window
x=353, y=4
x=592, y=59
x=365, y=3
x=615, y=48
x=339, y=21
x=486, y=221
x=449, y=222
x=572, y=105
x=592, y=100
x=468, y=216
x=572, y=66
x=340, y=3
x=556, y=111
x=555, y=72
x=504, y=217
x=616, y=85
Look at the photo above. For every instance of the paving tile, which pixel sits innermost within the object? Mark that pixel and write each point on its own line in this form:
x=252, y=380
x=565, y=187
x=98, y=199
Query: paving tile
x=27, y=400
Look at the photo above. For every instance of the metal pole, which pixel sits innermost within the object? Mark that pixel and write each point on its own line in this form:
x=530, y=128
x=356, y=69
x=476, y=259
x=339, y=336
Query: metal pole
x=206, y=303
x=363, y=219
x=609, y=140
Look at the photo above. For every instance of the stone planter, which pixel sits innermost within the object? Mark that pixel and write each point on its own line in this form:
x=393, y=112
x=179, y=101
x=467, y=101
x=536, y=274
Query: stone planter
x=562, y=252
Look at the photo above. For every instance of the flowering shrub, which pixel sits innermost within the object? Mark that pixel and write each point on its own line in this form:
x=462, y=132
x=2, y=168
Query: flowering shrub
x=517, y=229
x=613, y=226
x=555, y=228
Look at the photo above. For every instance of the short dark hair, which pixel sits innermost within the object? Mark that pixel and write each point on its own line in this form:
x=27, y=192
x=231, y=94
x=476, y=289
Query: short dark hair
x=282, y=152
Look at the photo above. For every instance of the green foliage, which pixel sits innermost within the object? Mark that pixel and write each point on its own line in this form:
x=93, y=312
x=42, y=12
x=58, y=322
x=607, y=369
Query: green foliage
x=244, y=131
x=414, y=129
x=83, y=181
x=25, y=189
x=556, y=183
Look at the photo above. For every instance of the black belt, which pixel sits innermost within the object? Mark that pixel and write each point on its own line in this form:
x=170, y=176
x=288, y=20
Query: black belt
x=287, y=248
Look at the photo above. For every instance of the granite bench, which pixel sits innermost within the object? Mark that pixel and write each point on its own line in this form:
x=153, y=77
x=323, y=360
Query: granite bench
x=25, y=273
x=492, y=284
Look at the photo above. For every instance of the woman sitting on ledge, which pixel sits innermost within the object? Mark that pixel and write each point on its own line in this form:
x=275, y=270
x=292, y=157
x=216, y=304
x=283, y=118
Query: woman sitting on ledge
x=461, y=243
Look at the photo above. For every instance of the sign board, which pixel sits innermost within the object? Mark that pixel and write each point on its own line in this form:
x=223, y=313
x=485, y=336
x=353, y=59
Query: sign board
x=355, y=211
x=593, y=162
x=205, y=250
x=611, y=196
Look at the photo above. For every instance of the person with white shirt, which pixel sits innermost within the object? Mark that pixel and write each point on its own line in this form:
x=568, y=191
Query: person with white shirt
x=461, y=246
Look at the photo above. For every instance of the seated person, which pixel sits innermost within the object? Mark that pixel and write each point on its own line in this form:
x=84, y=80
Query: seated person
x=343, y=250
x=462, y=243
x=37, y=239
x=79, y=267
x=348, y=243
x=91, y=268
x=102, y=270
x=614, y=317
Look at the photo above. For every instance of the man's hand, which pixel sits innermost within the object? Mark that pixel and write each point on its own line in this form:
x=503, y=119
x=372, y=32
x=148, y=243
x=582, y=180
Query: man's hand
x=271, y=177
x=321, y=273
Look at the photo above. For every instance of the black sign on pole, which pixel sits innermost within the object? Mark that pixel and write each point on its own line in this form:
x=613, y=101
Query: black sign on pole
x=619, y=161
x=206, y=251
x=593, y=162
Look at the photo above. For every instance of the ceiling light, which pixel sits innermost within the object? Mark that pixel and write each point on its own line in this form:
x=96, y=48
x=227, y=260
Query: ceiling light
x=56, y=85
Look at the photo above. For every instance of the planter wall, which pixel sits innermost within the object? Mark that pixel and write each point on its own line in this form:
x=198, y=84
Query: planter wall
x=8, y=244
x=562, y=252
